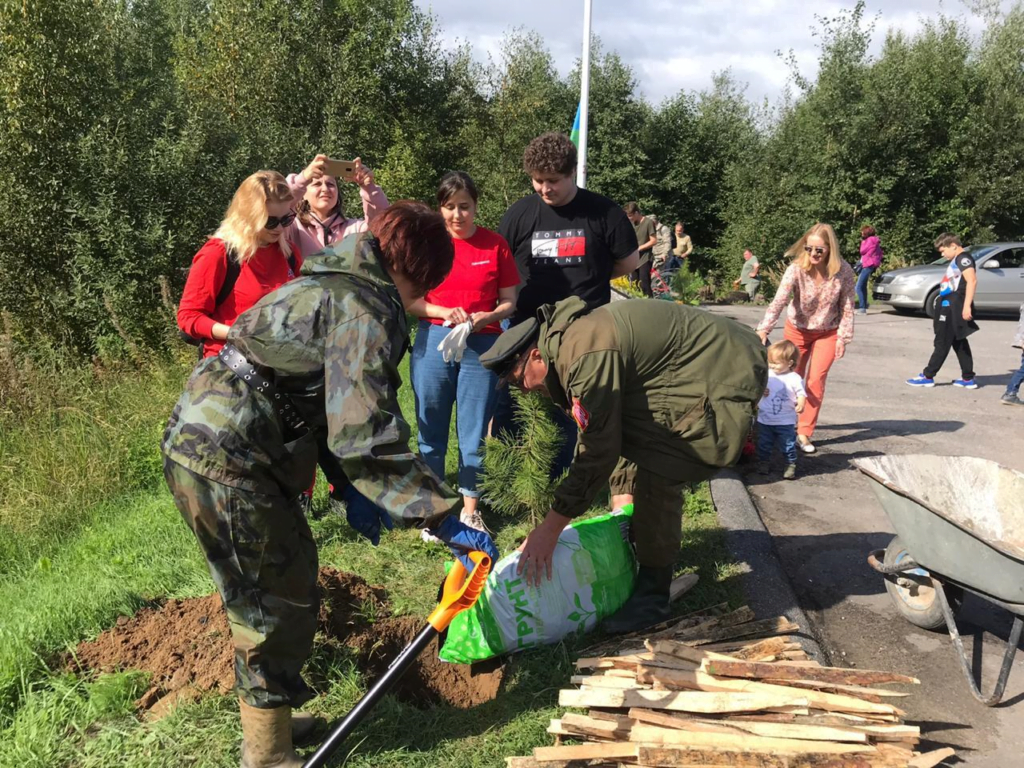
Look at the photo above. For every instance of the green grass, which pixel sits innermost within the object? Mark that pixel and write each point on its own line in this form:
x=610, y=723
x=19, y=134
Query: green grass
x=104, y=551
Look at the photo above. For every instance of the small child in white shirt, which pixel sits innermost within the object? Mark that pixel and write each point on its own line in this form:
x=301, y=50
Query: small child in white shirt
x=784, y=398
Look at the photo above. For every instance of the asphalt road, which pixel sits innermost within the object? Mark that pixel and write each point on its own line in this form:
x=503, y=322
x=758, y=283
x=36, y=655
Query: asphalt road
x=824, y=523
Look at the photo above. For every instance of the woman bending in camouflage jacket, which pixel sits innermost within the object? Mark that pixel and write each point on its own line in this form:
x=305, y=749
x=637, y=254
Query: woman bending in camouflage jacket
x=316, y=360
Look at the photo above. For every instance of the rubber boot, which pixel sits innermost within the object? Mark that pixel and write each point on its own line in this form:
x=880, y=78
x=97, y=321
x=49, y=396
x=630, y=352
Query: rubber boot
x=267, y=738
x=648, y=604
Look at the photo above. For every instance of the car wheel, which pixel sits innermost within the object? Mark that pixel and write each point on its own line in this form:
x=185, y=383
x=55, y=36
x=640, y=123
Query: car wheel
x=931, y=302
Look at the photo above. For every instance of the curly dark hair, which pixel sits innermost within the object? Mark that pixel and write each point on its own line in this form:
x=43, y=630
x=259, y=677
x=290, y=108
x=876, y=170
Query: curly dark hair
x=415, y=243
x=550, y=153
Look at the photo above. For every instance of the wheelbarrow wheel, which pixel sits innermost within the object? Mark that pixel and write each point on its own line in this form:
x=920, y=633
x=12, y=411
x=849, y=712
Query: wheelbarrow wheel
x=913, y=592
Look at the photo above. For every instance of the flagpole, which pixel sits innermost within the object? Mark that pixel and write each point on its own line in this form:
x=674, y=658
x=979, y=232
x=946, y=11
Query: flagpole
x=581, y=167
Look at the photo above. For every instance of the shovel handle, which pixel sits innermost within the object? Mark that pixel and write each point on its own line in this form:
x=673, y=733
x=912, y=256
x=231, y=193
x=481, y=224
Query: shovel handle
x=461, y=590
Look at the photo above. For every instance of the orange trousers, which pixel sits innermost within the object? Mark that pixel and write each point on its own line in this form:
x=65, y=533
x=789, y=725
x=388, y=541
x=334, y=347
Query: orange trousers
x=817, y=353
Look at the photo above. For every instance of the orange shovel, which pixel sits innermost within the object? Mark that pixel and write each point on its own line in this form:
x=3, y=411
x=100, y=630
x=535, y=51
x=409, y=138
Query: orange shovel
x=461, y=591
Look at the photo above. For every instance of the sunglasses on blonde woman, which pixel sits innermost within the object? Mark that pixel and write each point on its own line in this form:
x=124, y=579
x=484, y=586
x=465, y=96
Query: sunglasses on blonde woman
x=817, y=250
x=273, y=222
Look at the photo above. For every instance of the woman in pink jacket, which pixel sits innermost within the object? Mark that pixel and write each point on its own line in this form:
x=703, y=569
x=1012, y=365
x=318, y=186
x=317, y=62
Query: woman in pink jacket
x=321, y=217
x=321, y=222
x=870, y=260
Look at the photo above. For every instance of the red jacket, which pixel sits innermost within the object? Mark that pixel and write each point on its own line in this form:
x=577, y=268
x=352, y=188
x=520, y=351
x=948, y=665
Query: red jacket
x=266, y=271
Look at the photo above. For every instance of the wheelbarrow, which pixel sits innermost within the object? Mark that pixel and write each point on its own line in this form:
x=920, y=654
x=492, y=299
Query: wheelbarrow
x=960, y=527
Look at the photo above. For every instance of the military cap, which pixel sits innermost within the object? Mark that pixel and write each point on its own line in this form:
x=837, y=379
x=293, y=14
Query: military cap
x=501, y=358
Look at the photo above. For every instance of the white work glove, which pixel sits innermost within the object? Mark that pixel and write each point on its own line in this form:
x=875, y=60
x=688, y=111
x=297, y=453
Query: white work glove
x=454, y=344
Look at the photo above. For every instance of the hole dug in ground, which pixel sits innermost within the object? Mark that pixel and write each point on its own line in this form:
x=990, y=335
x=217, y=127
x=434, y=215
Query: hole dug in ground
x=185, y=645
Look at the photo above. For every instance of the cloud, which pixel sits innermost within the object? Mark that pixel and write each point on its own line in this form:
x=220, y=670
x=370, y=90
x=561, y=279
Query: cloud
x=672, y=45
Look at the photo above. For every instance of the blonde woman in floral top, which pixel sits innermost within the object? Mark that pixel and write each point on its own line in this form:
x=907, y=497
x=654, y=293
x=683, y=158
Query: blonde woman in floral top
x=818, y=287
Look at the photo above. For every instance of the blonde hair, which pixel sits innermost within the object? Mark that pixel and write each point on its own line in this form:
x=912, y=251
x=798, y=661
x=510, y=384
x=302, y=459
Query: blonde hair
x=803, y=259
x=784, y=352
x=246, y=215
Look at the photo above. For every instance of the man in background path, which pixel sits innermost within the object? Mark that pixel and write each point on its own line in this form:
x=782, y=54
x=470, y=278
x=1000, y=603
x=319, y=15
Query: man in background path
x=749, y=274
x=647, y=238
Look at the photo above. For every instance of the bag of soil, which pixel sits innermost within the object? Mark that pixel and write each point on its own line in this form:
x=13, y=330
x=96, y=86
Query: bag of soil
x=592, y=575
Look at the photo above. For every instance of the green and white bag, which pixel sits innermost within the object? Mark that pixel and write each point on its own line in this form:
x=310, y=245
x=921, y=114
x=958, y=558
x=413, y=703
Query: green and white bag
x=592, y=575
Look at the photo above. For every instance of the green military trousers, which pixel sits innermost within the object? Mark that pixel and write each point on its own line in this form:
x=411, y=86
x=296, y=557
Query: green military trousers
x=263, y=560
x=657, y=528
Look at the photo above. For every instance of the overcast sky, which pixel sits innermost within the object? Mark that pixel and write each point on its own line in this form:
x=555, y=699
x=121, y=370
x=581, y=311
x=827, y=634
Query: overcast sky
x=674, y=44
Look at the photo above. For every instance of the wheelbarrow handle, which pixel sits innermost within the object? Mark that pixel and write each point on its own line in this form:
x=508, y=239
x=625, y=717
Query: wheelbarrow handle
x=461, y=591
x=1011, y=649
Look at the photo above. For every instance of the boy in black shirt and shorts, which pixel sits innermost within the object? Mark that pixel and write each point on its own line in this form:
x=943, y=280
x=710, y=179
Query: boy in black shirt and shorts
x=954, y=315
x=567, y=241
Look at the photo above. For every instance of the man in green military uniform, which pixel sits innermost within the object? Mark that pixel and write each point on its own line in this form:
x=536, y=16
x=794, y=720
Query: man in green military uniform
x=662, y=394
x=316, y=361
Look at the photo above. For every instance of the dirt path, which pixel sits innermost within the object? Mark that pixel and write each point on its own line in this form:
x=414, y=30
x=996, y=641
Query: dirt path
x=826, y=522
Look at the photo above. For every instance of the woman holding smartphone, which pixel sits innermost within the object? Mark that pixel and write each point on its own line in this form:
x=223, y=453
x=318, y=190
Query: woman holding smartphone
x=321, y=217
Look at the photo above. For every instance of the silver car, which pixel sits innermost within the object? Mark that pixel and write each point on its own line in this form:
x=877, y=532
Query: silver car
x=1000, y=281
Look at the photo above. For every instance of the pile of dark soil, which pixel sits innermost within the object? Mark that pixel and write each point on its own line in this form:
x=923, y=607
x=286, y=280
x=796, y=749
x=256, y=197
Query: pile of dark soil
x=185, y=645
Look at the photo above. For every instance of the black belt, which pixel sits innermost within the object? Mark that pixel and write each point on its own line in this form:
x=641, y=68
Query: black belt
x=248, y=373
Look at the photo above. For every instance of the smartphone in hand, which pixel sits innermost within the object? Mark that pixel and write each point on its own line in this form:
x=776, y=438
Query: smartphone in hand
x=341, y=169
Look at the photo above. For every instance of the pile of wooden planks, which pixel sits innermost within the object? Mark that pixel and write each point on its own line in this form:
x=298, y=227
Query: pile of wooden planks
x=721, y=689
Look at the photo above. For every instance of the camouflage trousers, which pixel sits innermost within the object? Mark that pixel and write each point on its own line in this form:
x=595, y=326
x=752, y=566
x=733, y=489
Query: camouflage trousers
x=657, y=528
x=263, y=560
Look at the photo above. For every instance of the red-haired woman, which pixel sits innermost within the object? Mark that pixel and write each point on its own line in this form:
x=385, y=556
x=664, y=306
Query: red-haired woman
x=314, y=361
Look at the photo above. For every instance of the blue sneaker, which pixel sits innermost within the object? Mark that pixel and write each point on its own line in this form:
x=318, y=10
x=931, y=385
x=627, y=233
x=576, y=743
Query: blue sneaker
x=921, y=381
x=965, y=383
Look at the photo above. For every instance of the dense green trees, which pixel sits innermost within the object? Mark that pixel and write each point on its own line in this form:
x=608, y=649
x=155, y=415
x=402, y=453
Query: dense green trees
x=125, y=125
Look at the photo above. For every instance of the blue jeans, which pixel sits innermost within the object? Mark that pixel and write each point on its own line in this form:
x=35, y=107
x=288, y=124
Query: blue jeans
x=862, y=286
x=1017, y=379
x=770, y=435
x=438, y=386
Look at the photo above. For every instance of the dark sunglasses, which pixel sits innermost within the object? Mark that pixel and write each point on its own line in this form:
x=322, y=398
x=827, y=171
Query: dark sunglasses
x=818, y=251
x=273, y=222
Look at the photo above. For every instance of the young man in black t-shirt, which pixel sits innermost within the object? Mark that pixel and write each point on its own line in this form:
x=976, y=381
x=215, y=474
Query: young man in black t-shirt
x=567, y=241
x=954, y=315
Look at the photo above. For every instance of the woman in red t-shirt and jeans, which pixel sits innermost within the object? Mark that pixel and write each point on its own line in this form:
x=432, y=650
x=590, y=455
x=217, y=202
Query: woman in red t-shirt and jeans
x=481, y=288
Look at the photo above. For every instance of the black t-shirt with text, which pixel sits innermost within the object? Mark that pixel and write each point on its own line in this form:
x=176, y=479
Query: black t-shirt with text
x=566, y=251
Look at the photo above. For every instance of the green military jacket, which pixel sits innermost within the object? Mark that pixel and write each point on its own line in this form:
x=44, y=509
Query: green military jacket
x=333, y=338
x=669, y=387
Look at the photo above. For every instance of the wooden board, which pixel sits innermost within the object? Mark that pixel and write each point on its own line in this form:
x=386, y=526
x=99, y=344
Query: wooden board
x=700, y=636
x=667, y=757
x=757, y=671
x=681, y=585
x=678, y=701
x=606, y=681
x=770, y=730
x=586, y=752
x=698, y=681
x=649, y=734
x=931, y=759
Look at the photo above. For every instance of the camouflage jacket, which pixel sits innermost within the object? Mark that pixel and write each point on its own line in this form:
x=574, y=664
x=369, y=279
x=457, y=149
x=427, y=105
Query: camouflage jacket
x=668, y=387
x=333, y=339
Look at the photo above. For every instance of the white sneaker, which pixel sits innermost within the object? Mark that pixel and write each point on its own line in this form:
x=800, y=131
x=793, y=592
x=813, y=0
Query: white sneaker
x=474, y=520
x=807, y=447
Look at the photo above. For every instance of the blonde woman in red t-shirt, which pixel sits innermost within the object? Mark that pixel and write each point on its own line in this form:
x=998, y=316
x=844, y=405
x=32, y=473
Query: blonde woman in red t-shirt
x=480, y=290
x=253, y=234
